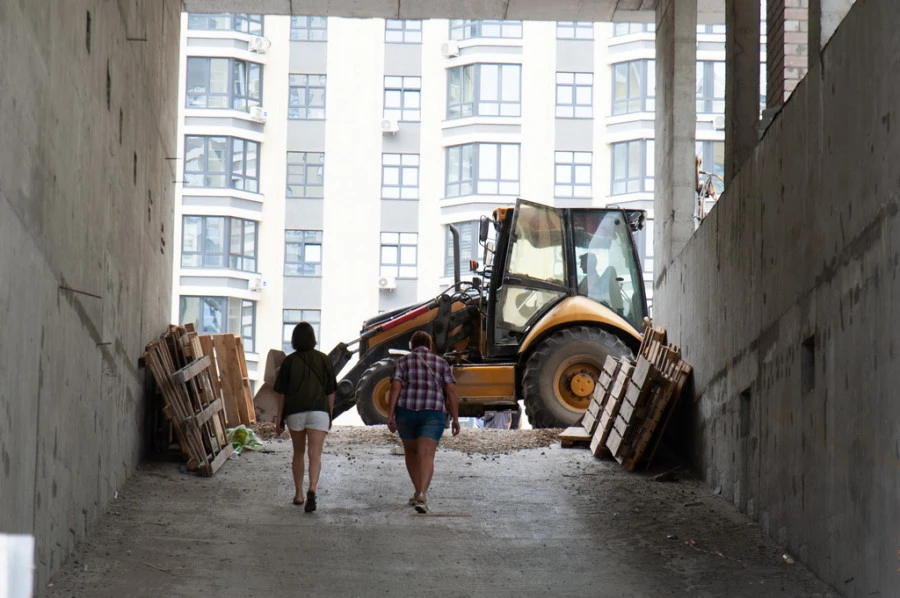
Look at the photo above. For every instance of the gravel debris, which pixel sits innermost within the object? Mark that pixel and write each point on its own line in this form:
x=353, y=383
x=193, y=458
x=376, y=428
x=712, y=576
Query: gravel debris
x=470, y=440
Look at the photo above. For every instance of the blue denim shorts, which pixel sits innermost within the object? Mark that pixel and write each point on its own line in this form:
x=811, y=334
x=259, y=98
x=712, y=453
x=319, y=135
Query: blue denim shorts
x=415, y=424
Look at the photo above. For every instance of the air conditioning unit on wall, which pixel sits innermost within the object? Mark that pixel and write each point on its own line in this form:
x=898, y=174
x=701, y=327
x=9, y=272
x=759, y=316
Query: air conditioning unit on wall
x=387, y=282
x=259, y=114
x=719, y=122
x=260, y=45
x=450, y=49
x=256, y=284
x=389, y=125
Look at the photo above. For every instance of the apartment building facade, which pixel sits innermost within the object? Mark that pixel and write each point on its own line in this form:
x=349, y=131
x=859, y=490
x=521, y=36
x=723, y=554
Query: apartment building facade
x=324, y=158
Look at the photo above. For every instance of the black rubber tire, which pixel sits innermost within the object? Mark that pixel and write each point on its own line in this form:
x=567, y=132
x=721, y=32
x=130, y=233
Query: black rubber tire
x=570, y=348
x=372, y=392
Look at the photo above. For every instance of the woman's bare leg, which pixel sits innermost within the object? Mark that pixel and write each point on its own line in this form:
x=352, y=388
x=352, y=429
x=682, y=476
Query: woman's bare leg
x=316, y=442
x=411, y=454
x=298, y=439
x=426, y=448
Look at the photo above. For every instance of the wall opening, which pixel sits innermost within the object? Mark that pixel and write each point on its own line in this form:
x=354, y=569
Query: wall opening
x=87, y=33
x=808, y=365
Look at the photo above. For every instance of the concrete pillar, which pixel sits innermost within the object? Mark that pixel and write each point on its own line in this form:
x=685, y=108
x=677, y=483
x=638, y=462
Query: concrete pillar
x=824, y=18
x=676, y=124
x=741, y=82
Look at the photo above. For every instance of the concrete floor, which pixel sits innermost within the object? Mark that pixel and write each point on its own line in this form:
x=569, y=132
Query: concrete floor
x=532, y=522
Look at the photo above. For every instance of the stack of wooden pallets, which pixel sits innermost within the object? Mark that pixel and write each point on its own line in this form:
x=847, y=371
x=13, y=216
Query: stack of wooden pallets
x=205, y=388
x=633, y=401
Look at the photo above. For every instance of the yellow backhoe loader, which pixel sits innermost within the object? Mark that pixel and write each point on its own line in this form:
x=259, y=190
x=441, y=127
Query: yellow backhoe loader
x=558, y=291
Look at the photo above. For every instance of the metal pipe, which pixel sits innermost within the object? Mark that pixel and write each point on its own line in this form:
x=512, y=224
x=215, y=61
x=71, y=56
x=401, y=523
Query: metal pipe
x=456, y=274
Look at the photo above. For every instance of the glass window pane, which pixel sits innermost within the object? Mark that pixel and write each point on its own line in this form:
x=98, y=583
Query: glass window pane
x=487, y=161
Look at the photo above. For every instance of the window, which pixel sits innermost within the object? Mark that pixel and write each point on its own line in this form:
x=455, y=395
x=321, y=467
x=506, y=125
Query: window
x=632, y=28
x=312, y=29
x=219, y=242
x=398, y=254
x=223, y=83
x=221, y=162
x=574, y=95
x=400, y=176
x=403, y=32
x=484, y=90
x=402, y=98
x=302, y=253
x=712, y=153
x=574, y=30
x=242, y=22
x=469, y=29
x=468, y=246
x=482, y=169
x=307, y=97
x=305, y=174
x=634, y=87
x=221, y=315
x=710, y=87
x=292, y=317
x=717, y=29
x=632, y=166
x=573, y=174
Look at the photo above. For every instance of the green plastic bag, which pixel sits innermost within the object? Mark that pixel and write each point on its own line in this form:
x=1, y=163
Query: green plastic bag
x=242, y=438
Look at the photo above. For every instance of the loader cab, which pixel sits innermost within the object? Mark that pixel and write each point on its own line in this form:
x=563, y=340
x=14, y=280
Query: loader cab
x=545, y=254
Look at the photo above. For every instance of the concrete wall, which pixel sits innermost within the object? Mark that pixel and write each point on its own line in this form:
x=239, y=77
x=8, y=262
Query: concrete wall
x=86, y=201
x=785, y=301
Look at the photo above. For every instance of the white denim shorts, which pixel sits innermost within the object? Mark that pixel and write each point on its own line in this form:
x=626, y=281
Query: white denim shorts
x=307, y=420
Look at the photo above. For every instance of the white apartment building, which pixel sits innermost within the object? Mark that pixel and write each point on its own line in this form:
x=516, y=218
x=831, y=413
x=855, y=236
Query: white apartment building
x=324, y=158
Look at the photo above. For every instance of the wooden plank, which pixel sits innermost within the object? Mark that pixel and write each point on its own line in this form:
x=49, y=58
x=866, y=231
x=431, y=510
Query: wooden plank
x=643, y=370
x=637, y=396
x=191, y=370
x=208, y=413
x=611, y=366
x=220, y=459
x=574, y=435
x=231, y=379
x=245, y=382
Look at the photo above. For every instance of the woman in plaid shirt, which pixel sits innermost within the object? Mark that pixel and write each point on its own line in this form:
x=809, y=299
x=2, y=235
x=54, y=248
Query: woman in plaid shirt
x=422, y=390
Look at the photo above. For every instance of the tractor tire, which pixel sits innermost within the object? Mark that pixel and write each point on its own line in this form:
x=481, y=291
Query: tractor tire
x=561, y=373
x=373, y=391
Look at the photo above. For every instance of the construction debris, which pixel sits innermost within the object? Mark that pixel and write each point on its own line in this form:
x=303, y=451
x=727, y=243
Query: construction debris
x=205, y=389
x=633, y=402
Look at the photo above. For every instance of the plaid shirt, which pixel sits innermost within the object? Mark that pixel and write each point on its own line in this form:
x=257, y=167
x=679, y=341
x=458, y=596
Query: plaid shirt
x=420, y=387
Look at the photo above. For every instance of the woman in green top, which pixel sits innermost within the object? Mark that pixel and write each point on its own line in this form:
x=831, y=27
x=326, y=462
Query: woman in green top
x=305, y=385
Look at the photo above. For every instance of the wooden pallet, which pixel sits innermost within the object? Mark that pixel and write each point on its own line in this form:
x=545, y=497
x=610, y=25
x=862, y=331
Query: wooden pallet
x=191, y=404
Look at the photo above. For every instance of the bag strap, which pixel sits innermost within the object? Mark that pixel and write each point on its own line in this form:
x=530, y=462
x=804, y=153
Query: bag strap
x=430, y=371
x=313, y=370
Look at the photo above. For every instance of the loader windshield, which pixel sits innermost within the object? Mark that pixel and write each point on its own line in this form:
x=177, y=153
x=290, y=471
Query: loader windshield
x=536, y=269
x=606, y=268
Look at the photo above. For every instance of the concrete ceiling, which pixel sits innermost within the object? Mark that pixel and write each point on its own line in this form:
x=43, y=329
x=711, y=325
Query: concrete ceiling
x=711, y=11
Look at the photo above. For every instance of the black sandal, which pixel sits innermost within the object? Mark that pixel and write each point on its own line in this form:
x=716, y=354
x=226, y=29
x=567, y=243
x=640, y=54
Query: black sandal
x=310, y=502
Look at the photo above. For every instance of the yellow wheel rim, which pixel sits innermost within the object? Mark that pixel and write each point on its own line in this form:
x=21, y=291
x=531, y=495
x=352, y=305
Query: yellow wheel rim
x=574, y=382
x=380, y=396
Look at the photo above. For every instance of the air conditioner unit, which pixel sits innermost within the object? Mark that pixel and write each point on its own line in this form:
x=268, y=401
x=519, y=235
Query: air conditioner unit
x=260, y=45
x=450, y=49
x=258, y=114
x=719, y=122
x=256, y=284
x=389, y=125
x=387, y=282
